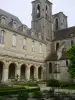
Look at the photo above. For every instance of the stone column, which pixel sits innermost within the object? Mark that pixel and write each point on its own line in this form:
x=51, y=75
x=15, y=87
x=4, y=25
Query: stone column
x=5, y=72
x=28, y=72
x=18, y=70
x=42, y=73
x=36, y=73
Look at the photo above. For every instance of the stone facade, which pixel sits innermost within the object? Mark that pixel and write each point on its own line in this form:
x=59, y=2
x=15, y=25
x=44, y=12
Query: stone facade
x=37, y=53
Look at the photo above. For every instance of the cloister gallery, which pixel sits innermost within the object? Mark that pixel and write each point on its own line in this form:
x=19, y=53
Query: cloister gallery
x=12, y=70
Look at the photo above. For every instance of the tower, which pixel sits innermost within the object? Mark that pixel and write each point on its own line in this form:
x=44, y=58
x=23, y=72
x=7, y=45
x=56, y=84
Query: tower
x=42, y=18
x=59, y=21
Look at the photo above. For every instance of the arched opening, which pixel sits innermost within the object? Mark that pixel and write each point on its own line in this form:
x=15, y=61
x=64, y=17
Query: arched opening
x=66, y=62
x=12, y=71
x=56, y=24
x=50, y=67
x=39, y=72
x=38, y=10
x=23, y=72
x=72, y=42
x=32, y=68
x=1, y=70
x=57, y=46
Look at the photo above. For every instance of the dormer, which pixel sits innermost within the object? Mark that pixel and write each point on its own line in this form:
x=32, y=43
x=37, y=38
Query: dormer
x=32, y=32
x=24, y=28
x=2, y=19
x=14, y=24
x=40, y=37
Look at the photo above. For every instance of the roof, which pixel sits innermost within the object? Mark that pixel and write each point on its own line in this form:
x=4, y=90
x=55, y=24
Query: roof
x=64, y=56
x=57, y=14
x=10, y=17
x=65, y=33
x=52, y=57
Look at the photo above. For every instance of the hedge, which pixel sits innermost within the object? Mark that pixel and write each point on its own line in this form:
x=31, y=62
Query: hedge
x=28, y=84
x=56, y=83
x=53, y=83
x=16, y=91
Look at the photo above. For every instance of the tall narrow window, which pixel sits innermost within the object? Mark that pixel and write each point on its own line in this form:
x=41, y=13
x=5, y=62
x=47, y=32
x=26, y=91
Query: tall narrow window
x=33, y=46
x=72, y=42
x=24, y=43
x=56, y=24
x=14, y=40
x=66, y=62
x=50, y=67
x=57, y=46
x=3, y=20
x=40, y=48
x=2, y=37
x=38, y=10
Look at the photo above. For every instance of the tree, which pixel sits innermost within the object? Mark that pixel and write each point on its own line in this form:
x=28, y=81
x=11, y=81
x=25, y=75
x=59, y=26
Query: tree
x=71, y=57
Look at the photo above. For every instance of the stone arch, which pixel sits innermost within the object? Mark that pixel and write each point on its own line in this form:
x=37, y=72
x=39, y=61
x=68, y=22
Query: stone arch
x=32, y=72
x=1, y=69
x=23, y=71
x=12, y=71
x=40, y=71
x=56, y=23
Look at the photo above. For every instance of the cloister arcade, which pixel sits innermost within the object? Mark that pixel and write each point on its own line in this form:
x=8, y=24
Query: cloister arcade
x=9, y=70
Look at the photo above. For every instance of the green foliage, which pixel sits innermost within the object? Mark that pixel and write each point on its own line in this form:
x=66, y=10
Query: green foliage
x=29, y=84
x=10, y=91
x=67, y=85
x=51, y=93
x=23, y=96
x=71, y=56
x=37, y=95
x=53, y=83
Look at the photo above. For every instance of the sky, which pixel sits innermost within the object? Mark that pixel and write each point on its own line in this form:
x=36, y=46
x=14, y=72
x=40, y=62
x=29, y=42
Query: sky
x=23, y=9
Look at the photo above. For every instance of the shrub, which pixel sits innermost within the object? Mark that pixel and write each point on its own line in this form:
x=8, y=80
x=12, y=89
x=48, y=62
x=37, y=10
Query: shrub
x=67, y=85
x=29, y=84
x=37, y=95
x=51, y=93
x=23, y=96
x=16, y=91
x=53, y=83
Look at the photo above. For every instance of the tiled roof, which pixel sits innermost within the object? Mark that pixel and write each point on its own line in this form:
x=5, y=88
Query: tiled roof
x=65, y=33
x=10, y=17
x=52, y=57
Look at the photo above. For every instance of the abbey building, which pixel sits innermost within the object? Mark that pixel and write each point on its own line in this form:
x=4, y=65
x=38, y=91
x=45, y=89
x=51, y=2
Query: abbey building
x=38, y=53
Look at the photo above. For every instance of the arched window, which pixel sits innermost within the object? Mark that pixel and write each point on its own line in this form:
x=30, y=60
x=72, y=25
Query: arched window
x=38, y=10
x=66, y=63
x=56, y=24
x=57, y=46
x=50, y=67
x=72, y=42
